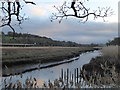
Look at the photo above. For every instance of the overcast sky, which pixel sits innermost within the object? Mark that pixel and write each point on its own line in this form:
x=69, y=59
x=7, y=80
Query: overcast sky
x=70, y=29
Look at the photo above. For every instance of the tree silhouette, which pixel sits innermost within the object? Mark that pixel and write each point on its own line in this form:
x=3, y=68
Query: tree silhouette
x=77, y=6
x=12, y=8
x=80, y=11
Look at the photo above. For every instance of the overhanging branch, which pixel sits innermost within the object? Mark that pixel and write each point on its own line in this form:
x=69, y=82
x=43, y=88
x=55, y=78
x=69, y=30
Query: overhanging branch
x=12, y=9
x=78, y=9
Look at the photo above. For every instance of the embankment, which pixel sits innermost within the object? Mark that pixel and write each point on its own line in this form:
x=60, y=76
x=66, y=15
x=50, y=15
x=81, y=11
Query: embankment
x=12, y=56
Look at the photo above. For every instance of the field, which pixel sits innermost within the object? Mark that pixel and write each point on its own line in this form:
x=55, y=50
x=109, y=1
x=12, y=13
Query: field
x=25, y=55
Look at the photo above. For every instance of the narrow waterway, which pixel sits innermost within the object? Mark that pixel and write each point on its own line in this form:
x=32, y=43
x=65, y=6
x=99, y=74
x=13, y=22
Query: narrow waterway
x=51, y=73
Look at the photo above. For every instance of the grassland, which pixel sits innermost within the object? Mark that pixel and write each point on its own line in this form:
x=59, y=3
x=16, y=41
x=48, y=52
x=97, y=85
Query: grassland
x=24, y=55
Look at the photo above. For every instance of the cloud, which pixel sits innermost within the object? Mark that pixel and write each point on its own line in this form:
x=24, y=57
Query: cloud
x=37, y=11
x=70, y=30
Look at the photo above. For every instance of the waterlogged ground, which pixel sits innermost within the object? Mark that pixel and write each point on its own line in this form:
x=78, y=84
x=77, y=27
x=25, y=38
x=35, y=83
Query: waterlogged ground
x=43, y=75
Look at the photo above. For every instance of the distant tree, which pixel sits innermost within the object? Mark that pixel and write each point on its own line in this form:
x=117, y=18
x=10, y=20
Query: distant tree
x=23, y=38
x=108, y=42
x=93, y=44
x=10, y=33
x=2, y=33
x=115, y=41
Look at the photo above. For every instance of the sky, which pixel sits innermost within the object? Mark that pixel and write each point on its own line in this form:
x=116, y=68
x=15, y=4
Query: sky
x=93, y=31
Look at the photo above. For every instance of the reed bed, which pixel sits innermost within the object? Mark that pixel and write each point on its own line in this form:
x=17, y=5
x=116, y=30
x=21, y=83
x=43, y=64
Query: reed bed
x=79, y=79
x=110, y=51
x=29, y=83
x=71, y=79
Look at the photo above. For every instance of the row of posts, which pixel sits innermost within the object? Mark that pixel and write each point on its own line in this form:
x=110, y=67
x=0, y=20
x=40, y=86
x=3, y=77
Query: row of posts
x=69, y=76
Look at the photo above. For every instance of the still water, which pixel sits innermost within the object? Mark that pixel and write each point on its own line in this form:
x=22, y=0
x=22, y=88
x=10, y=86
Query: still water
x=52, y=73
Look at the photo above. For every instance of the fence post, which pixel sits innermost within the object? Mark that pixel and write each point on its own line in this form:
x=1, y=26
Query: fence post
x=77, y=75
x=62, y=74
x=67, y=75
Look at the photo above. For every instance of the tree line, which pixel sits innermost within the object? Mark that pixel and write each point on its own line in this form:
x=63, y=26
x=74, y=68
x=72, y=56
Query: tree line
x=24, y=38
x=115, y=41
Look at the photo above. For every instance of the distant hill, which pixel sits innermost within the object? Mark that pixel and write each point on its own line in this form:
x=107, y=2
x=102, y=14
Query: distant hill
x=116, y=41
x=36, y=40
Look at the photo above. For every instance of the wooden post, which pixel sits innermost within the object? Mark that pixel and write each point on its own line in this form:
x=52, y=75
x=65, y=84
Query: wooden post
x=77, y=75
x=62, y=74
x=80, y=73
x=67, y=75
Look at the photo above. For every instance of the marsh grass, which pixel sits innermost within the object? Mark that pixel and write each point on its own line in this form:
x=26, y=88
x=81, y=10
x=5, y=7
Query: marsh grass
x=72, y=79
x=109, y=63
x=28, y=83
x=28, y=55
x=111, y=52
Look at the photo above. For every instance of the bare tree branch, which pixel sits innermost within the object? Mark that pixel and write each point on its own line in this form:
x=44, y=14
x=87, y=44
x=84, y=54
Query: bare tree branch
x=79, y=10
x=29, y=2
x=12, y=9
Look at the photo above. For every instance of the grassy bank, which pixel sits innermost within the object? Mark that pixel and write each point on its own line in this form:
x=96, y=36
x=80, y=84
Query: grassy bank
x=24, y=55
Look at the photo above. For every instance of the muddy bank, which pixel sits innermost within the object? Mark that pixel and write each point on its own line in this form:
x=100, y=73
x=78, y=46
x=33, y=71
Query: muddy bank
x=33, y=67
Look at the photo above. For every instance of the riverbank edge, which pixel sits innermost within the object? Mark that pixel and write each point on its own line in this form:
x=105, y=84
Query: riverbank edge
x=52, y=65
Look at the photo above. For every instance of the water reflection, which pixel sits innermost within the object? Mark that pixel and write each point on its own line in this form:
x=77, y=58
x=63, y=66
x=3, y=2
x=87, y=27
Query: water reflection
x=55, y=72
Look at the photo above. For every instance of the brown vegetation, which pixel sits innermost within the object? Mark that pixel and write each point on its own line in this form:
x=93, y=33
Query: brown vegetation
x=25, y=55
x=106, y=66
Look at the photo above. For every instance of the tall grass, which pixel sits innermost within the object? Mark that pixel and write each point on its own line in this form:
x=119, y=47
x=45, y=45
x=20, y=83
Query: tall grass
x=70, y=79
x=110, y=51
